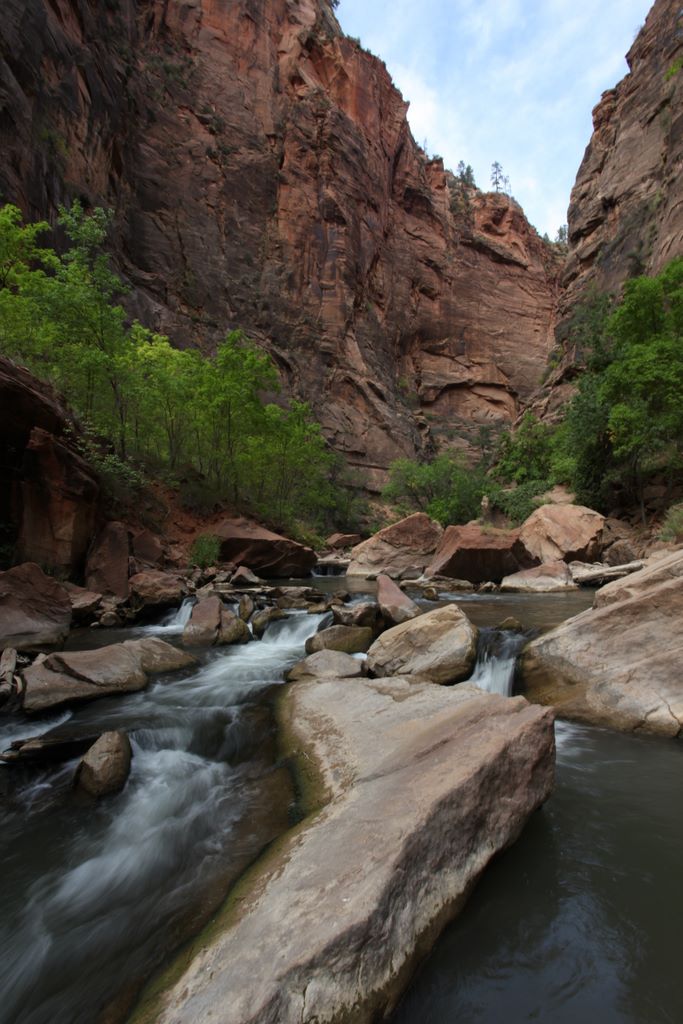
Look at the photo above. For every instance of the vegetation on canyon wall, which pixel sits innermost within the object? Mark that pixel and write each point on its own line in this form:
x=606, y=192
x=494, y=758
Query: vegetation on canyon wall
x=194, y=420
x=622, y=429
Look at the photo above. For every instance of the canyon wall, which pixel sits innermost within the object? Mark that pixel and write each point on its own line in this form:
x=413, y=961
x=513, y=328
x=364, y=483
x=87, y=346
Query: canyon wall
x=263, y=176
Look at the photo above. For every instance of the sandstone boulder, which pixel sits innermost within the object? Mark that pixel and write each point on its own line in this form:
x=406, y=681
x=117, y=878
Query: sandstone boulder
x=660, y=568
x=362, y=613
x=408, y=544
x=106, y=570
x=106, y=766
x=243, y=577
x=247, y=544
x=546, y=578
x=619, y=664
x=212, y=623
x=327, y=664
x=395, y=606
x=147, y=548
x=35, y=610
x=74, y=676
x=152, y=588
x=563, y=532
x=348, y=639
x=440, y=645
x=478, y=554
x=59, y=501
x=422, y=787
x=84, y=603
x=261, y=620
x=342, y=540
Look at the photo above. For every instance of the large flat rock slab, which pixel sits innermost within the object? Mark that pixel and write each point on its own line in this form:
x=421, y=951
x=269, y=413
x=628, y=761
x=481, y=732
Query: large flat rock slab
x=35, y=610
x=424, y=785
x=618, y=664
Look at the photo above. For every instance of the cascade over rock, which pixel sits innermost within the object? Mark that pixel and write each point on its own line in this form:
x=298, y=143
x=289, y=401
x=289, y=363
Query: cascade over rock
x=263, y=176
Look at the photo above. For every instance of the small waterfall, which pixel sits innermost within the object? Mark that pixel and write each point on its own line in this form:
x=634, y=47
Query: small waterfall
x=496, y=658
x=173, y=622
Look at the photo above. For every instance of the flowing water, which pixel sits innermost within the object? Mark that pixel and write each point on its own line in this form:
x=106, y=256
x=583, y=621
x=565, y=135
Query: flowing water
x=579, y=920
x=94, y=895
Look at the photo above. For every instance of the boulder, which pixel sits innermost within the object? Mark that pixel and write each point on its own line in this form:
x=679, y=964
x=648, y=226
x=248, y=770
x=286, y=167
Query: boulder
x=260, y=620
x=35, y=610
x=619, y=664
x=394, y=605
x=106, y=766
x=440, y=645
x=212, y=623
x=106, y=570
x=542, y=579
x=363, y=613
x=349, y=639
x=74, y=676
x=422, y=786
x=247, y=544
x=243, y=577
x=147, y=547
x=342, y=540
x=563, y=532
x=408, y=544
x=327, y=664
x=479, y=554
x=84, y=603
x=152, y=588
x=59, y=504
x=246, y=607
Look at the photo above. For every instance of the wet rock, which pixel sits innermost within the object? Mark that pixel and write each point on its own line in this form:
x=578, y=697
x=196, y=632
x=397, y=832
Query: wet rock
x=106, y=766
x=53, y=747
x=109, y=620
x=74, y=676
x=246, y=608
x=563, y=532
x=423, y=787
x=106, y=570
x=479, y=554
x=155, y=589
x=35, y=610
x=327, y=664
x=618, y=664
x=511, y=623
x=440, y=645
x=212, y=623
x=409, y=543
x=394, y=605
x=233, y=629
x=542, y=579
x=273, y=556
x=261, y=619
x=349, y=639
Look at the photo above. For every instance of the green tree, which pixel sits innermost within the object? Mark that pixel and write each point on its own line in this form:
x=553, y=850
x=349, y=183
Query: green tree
x=445, y=488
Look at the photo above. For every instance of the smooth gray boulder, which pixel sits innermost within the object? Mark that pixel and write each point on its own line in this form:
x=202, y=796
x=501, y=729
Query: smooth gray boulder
x=440, y=645
x=420, y=787
x=74, y=676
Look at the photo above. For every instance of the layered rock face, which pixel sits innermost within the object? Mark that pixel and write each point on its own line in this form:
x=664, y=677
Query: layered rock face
x=626, y=211
x=263, y=176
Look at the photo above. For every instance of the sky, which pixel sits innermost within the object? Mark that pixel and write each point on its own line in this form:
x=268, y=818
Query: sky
x=507, y=80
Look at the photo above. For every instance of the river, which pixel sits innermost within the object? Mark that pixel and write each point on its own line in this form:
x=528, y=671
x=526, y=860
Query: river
x=578, y=920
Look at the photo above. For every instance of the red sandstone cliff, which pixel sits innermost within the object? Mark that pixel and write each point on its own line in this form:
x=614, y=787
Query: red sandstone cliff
x=263, y=175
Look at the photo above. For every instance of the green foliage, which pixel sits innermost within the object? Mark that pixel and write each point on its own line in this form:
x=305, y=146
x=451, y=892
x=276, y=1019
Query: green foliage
x=184, y=415
x=445, y=488
x=672, y=527
x=673, y=69
x=519, y=502
x=205, y=550
x=526, y=454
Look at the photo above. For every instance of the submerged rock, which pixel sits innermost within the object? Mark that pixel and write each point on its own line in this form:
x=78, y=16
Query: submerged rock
x=423, y=786
x=74, y=676
x=618, y=664
x=440, y=646
x=35, y=610
x=106, y=766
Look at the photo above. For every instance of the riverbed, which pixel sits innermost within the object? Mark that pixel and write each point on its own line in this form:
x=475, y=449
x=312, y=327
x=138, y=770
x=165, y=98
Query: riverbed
x=577, y=920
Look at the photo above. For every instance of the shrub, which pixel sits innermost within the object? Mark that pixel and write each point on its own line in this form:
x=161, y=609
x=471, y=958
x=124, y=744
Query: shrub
x=672, y=527
x=205, y=550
